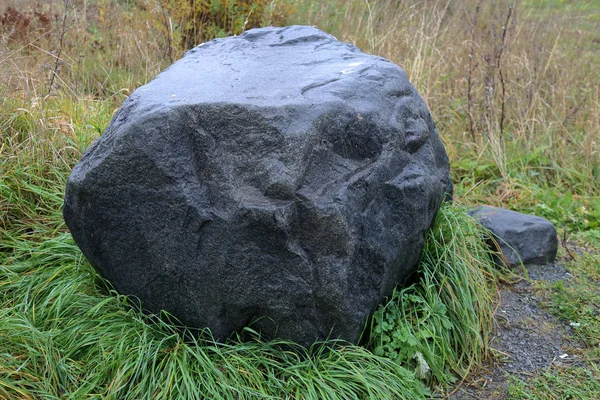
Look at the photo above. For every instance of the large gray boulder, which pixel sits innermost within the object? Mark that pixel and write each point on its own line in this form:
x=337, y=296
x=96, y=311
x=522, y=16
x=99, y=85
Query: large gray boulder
x=519, y=237
x=280, y=175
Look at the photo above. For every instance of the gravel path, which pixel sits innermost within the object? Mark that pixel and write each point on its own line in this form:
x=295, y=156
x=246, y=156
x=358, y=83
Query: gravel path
x=527, y=339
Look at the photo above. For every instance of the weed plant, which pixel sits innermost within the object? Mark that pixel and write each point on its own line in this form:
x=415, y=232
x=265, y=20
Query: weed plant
x=440, y=326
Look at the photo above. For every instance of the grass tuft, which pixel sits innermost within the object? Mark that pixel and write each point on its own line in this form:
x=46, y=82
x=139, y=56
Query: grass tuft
x=441, y=325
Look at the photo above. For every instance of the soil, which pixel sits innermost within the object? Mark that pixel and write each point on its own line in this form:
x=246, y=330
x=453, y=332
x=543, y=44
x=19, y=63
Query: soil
x=527, y=340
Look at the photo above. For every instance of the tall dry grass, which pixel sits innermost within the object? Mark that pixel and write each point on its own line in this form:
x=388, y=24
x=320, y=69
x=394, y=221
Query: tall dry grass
x=499, y=77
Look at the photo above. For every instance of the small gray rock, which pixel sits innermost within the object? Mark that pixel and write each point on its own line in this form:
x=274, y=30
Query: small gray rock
x=521, y=237
x=279, y=175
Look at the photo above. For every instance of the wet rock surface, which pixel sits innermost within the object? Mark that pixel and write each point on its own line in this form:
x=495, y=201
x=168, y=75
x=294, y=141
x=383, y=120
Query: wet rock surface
x=520, y=237
x=280, y=175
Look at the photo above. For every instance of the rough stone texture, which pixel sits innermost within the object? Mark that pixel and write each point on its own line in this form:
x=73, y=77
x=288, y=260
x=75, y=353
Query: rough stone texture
x=521, y=237
x=280, y=175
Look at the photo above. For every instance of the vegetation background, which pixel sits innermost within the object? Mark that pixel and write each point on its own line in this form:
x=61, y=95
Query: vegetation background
x=514, y=87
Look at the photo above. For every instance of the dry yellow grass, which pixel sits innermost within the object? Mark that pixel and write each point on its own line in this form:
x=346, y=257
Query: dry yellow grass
x=470, y=59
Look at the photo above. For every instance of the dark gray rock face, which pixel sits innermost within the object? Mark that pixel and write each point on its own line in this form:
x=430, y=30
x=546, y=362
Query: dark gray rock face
x=521, y=237
x=280, y=175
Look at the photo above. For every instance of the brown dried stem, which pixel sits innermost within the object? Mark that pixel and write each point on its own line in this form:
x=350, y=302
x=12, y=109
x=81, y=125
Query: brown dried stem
x=63, y=30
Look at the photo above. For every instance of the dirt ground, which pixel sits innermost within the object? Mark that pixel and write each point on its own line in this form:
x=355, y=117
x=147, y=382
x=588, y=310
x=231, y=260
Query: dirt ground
x=527, y=339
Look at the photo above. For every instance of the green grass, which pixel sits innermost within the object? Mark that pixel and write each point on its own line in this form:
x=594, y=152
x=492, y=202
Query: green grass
x=578, y=300
x=530, y=186
x=440, y=326
x=584, y=5
x=559, y=383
